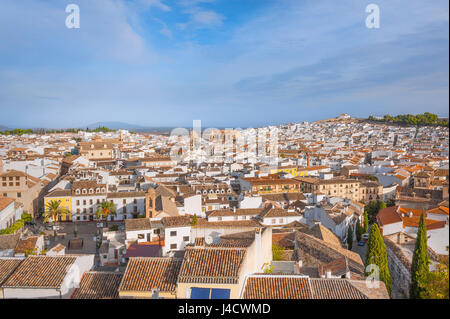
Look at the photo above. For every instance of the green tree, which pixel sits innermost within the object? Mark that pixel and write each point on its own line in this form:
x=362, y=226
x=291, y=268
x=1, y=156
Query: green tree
x=194, y=220
x=277, y=252
x=359, y=230
x=54, y=211
x=104, y=210
x=435, y=285
x=366, y=223
x=373, y=208
x=390, y=202
x=350, y=237
x=377, y=255
x=26, y=217
x=420, y=262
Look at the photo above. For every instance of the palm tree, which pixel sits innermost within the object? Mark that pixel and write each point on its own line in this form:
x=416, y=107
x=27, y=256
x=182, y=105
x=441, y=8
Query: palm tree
x=105, y=209
x=53, y=211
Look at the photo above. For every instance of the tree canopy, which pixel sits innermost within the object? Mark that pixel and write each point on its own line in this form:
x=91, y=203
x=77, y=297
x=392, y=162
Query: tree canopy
x=425, y=119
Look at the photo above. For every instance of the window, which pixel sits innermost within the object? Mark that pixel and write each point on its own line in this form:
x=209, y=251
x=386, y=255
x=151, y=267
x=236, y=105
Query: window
x=186, y=238
x=17, y=184
x=173, y=246
x=173, y=233
x=84, y=202
x=140, y=236
x=19, y=195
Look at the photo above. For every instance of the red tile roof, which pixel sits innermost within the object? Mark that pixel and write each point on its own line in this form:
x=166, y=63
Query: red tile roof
x=40, y=272
x=144, y=274
x=98, y=285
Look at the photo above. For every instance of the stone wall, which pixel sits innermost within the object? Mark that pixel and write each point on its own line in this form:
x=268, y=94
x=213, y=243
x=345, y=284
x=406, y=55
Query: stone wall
x=399, y=267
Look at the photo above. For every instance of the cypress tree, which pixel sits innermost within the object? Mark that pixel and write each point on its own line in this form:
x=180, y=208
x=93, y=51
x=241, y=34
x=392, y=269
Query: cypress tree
x=420, y=262
x=350, y=237
x=376, y=254
x=194, y=220
x=359, y=230
x=366, y=223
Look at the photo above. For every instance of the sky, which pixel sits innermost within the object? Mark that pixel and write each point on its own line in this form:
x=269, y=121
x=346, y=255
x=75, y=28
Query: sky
x=228, y=63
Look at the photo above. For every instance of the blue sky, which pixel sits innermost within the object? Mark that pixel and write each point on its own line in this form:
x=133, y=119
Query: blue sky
x=229, y=63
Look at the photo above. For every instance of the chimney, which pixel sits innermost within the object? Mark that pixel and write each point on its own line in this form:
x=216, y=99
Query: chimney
x=234, y=209
x=328, y=274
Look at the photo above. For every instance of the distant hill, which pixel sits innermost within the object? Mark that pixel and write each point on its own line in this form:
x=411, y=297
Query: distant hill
x=115, y=125
x=2, y=128
x=130, y=127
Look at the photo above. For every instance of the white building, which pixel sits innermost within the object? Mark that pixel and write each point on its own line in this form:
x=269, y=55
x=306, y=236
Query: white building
x=10, y=212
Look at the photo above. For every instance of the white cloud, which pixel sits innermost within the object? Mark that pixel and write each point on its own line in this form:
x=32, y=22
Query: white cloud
x=191, y=3
x=158, y=4
x=200, y=18
x=165, y=29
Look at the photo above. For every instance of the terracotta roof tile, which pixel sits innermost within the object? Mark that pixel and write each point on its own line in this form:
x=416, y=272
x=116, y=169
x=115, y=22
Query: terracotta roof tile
x=146, y=273
x=40, y=272
x=98, y=285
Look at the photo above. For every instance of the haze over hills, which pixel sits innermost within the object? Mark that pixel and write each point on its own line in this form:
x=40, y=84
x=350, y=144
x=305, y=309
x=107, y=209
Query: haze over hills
x=127, y=126
x=114, y=125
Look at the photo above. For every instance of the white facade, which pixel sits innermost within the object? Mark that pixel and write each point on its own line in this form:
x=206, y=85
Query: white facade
x=9, y=215
x=176, y=238
x=128, y=207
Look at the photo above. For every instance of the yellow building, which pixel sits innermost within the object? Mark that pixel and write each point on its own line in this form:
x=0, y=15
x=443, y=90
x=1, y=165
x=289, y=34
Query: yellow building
x=64, y=196
x=297, y=171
